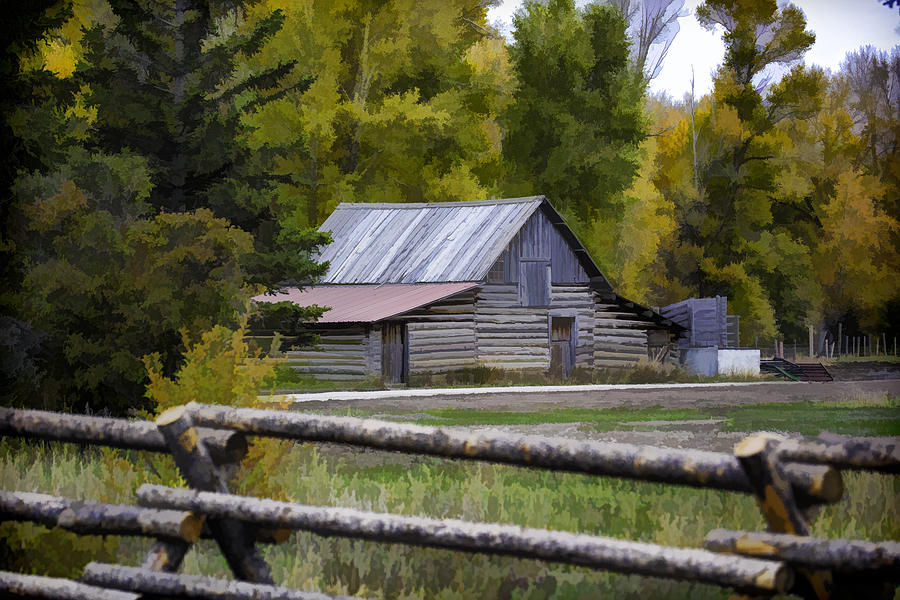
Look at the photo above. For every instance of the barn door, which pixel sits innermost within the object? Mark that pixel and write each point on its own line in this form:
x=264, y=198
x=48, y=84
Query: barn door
x=562, y=348
x=394, y=353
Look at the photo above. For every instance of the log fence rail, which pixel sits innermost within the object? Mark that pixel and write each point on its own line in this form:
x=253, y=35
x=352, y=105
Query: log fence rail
x=786, y=476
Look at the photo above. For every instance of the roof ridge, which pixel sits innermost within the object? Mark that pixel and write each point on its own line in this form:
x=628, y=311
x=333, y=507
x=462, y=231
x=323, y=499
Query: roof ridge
x=416, y=205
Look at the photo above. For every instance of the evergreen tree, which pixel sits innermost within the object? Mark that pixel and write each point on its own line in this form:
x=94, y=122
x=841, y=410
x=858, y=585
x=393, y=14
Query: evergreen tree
x=574, y=130
x=166, y=83
x=26, y=26
x=109, y=283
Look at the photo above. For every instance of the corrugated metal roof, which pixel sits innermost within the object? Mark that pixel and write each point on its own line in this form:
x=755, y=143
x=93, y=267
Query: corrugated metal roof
x=367, y=303
x=418, y=243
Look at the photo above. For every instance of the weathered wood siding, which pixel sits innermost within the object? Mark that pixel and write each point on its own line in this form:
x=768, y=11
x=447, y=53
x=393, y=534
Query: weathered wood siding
x=542, y=278
x=342, y=354
x=540, y=240
x=512, y=336
x=705, y=318
x=442, y=335
x=620, y=336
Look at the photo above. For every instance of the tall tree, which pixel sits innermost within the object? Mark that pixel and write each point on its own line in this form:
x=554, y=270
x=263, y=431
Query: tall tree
x=873, y=81
x=403, y=108
x=148, y=215
x=574, y=130
x=28, y=25
x=165, y=82
x=730, y=240
x=109, y=282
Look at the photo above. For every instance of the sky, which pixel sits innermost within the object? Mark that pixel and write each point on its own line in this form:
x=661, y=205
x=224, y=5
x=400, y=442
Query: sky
x=840, y=26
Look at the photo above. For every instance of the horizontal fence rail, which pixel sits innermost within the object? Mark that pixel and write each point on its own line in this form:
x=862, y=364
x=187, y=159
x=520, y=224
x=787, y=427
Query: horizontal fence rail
x=95, y=518
x=209, y=441
x=881, y=455
x=224, y=446
x=605, y=553
x=16, y=585
x=191, y=586
x=812, y=485
x=648, y=463
x=685, y=467
x=846, y=556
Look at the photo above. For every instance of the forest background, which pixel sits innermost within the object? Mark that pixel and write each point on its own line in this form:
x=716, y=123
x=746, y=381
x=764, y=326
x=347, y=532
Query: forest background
x=166, y=161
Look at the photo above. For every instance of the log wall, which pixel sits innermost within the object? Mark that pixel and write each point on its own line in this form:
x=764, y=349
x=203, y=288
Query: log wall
x=511, y=336
x=442, y=336
x=620, y=336
x=342, y=354
x=489, y=327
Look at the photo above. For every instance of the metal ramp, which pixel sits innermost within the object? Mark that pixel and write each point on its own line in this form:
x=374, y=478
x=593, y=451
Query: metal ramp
x=795, y=371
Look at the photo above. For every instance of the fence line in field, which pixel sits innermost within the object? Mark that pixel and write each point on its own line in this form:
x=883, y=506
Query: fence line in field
x=786, y=476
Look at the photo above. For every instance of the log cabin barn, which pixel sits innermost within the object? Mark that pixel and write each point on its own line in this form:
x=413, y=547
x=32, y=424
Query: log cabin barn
x=433, y=288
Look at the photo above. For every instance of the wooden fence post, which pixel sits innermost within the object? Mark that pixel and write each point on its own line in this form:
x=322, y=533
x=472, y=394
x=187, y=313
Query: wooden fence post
x=758, y=455
x=236, y=539
x=810, y=341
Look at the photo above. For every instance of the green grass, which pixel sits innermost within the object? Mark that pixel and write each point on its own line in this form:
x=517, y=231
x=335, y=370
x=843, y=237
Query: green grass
x=811, y=418
x=414, y=485
x=862, y=417
x=596, y=417
x=389, y=482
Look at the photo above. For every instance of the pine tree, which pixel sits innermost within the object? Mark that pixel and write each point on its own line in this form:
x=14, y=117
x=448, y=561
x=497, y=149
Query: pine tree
x=169, y=83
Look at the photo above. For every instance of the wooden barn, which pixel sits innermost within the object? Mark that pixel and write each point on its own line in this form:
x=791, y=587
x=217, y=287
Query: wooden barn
x=432, y=288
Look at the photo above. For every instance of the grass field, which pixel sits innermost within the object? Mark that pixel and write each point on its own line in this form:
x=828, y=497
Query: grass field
x=378, y=481
x=872, y=416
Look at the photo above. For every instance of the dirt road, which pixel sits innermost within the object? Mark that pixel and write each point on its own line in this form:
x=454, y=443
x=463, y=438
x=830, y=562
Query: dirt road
x=632, y=396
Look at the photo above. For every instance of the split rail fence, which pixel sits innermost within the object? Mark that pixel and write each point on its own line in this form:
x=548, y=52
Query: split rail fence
x=788, y=477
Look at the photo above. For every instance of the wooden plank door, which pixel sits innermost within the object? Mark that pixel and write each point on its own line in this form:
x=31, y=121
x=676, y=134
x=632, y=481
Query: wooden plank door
x=562, y=348
x=394, y=353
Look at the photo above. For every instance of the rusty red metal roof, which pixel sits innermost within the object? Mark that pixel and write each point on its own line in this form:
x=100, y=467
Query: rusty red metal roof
x=367, y=303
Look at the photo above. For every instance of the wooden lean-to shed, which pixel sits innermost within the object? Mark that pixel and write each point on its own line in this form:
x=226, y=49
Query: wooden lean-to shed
x=432, y=288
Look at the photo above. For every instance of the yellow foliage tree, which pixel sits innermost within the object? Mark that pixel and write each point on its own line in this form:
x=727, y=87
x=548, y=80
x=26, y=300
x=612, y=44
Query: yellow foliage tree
x=220, y=368
x=403, y=106
x=856, y=261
